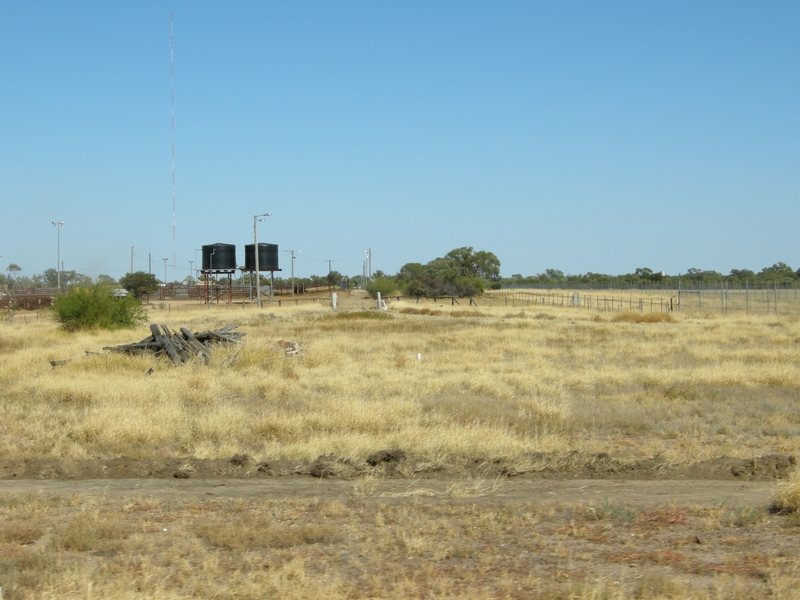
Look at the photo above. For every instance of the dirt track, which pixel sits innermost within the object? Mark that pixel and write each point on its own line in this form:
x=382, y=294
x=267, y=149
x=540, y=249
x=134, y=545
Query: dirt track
x=567, y=480
x=543, y=491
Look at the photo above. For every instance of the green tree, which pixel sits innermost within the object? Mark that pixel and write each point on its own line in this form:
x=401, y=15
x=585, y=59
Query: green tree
x=48, y=279
x=73, y=278
x=778, y=271
x=12, y=269
x=106, y=279
x=742, y=274
x=648, y=274
x=410, y=271
x=552, y=276
x=139, y=283
x=333, y=279
x=700, y=275
x=475, y=264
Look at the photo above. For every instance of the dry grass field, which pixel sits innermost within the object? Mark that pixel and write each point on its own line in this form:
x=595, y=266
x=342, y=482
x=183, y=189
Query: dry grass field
x=469, y=394
x=449, y=385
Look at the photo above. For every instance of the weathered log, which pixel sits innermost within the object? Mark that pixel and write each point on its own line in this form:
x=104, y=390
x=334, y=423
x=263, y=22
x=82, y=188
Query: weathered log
x=180, y=346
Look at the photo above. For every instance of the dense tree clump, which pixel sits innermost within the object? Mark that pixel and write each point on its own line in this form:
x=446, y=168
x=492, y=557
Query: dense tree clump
x=460, y=272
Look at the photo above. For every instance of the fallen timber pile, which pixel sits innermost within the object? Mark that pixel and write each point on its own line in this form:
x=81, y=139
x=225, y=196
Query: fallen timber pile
x=182, y=346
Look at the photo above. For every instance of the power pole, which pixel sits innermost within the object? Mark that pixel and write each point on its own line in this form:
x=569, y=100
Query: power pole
x=172, y=105
x=292, y=253
x=131, y=259
x=59, y=264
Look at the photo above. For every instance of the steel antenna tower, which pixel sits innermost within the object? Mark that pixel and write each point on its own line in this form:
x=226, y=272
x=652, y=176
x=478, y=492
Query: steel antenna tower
x=172, y=100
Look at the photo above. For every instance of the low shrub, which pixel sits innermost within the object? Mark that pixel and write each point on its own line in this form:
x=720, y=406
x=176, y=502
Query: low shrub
x=96, y=307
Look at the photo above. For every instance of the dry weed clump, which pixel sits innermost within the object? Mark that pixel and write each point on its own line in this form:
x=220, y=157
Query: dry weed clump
x=642, y=317
x=246, y=532
x=787, y=497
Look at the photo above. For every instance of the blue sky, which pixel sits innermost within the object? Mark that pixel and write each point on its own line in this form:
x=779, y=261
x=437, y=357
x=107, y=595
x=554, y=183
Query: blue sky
x=582, y=136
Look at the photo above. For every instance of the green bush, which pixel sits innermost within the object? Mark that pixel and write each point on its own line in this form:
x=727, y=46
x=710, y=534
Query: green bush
x=96, y=307
x=384, y=285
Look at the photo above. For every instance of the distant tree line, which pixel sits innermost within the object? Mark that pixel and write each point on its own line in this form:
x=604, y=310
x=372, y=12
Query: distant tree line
x=48, y=279
x=643, y=276
x=461, y=272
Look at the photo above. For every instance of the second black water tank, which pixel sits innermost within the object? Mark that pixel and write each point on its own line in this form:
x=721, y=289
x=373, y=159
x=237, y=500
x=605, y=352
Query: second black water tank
x=267, y=257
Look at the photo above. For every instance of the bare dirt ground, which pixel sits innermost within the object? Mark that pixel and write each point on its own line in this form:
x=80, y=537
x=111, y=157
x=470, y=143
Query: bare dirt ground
x=568, y=492
x=538, y=527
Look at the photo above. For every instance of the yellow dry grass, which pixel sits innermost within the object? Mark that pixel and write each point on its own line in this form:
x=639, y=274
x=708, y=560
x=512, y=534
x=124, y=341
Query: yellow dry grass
x=447, y=385
x=157, y=547
x=787, y=496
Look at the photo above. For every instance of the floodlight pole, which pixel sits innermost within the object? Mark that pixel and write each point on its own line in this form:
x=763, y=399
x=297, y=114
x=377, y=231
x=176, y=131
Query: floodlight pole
x=255, y=250
x=58, y=225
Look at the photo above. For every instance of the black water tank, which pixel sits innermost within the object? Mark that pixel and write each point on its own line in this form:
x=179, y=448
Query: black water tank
x=267, y=257
x=219, y=257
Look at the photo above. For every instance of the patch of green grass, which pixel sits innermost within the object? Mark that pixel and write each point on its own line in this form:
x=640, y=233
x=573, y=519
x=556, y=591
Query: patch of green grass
x=613, y=511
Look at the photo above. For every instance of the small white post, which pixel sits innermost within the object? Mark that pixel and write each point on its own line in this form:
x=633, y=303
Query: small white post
x=334, y=298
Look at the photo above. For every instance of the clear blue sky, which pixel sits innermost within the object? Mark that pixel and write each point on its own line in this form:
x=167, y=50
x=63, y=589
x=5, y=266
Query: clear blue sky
x=582, y=136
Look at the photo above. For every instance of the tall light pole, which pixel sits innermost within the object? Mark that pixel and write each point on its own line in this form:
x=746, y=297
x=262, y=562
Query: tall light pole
x=191, y=270
x=58, y=225
x=256, y=219
x=292, y=251
x=165, y=270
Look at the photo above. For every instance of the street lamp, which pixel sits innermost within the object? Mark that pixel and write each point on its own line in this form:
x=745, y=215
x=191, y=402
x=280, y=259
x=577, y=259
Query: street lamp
x=191, y=270
x=58, y=226
x=165, y=270
x=292, y=251
x=256, y=219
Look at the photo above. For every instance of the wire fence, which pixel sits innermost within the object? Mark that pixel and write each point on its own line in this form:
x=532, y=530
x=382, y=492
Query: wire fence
x=724, y=299
x=764, y=298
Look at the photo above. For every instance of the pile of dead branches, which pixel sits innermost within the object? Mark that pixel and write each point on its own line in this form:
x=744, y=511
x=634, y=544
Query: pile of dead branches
x=182, y=346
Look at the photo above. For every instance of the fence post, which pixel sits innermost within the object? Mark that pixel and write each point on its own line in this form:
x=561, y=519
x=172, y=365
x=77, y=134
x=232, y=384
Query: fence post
x=700, y=296
x=762, y=287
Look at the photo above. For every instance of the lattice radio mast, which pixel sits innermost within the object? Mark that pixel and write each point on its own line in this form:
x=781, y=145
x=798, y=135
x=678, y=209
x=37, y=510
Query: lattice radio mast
x=172, y=98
